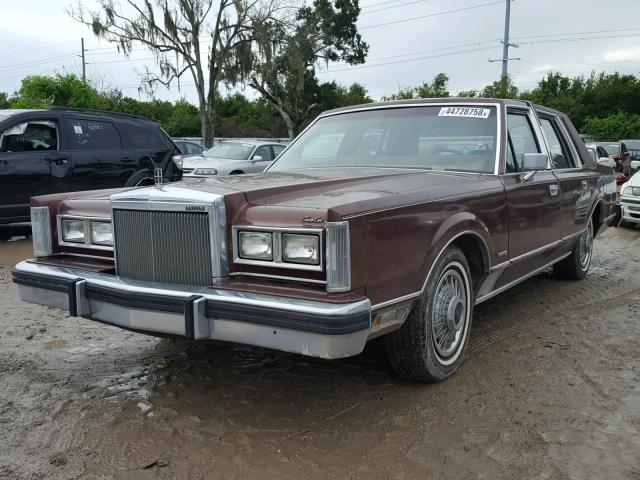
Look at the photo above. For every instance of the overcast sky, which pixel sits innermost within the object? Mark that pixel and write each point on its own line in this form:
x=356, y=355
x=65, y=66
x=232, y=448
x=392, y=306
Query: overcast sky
x=571, y=36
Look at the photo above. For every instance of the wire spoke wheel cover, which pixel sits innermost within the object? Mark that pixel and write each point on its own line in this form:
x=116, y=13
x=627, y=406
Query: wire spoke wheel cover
x=450, y=313
x=586, y=245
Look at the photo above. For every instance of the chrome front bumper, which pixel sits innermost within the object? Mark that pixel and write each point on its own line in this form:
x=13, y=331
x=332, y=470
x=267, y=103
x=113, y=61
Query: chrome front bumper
x=630, y=209
x=314, y=328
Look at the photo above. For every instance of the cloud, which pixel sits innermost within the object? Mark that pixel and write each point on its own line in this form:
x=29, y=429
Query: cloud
x=623, y=55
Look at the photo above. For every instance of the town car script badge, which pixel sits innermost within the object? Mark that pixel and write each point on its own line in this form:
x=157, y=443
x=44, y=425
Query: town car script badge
x=309, y=219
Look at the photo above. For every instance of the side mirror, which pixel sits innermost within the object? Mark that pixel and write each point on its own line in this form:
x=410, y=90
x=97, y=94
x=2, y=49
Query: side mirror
x=635, y=164
x=532, y=162
x=256, y=158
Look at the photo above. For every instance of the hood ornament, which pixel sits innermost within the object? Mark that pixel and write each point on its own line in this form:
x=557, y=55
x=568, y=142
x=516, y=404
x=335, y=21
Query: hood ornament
x=157, y=176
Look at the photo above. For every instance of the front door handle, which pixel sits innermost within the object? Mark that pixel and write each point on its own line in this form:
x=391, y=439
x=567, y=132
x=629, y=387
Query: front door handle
x=57, y=160
x=553, y=190
x=585, y=185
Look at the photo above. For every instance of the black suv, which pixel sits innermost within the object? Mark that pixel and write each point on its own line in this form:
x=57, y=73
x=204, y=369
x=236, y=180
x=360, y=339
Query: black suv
x=62, y=150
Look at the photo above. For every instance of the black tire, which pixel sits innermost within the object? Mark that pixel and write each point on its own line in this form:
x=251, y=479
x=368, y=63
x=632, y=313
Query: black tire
x=416, y=349
x=139, y=179
x=576, y=266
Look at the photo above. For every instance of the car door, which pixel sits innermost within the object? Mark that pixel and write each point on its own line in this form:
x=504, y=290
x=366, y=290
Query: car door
x=33, y=161
x=97, y=154
x=266, y=154
x=575, y=188
x=533, y=203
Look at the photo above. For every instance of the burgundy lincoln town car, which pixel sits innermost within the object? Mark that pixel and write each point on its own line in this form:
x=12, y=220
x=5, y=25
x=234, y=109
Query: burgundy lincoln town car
x=389, y=219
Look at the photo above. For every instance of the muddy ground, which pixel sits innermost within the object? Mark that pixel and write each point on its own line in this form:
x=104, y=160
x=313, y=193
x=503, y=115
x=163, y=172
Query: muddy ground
x=550, y=390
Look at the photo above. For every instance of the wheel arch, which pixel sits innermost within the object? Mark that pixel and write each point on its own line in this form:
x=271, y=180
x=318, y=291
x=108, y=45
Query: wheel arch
x=470, y=234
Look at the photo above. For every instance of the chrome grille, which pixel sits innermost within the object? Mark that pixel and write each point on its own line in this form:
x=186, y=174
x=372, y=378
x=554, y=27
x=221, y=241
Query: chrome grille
x=163, y=246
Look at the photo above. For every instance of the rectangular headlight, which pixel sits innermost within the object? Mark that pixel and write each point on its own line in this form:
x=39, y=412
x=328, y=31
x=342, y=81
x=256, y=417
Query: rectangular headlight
x=73, y=231
x=301, y=249
x=101, y=233
x=255, y=245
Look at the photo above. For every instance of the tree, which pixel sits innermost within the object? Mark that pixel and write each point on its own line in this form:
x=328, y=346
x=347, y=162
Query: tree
x=174, y=32
x=287, y=52
x=438, y=88
x=613, y=127
x=62, y=90
x=503, y=88
x=5, y=101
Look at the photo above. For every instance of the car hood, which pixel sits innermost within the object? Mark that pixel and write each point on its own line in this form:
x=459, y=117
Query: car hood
x=634, y=181
x=201, y=161
x=345, y=190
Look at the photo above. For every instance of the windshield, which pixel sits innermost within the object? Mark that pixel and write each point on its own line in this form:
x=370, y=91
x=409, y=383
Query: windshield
x=456, y=138
x=611, y=148
x=231, y=151
x=632, y=144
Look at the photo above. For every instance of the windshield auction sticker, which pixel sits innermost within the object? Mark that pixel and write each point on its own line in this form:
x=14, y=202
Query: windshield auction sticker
x=471, y=112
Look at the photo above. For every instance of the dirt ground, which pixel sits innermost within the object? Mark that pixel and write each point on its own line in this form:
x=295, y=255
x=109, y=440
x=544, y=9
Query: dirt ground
x=550, y=390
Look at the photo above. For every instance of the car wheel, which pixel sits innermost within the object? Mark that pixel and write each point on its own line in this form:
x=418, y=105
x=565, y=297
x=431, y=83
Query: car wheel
x=576, y=266
x=430, y=345
x=141, y=179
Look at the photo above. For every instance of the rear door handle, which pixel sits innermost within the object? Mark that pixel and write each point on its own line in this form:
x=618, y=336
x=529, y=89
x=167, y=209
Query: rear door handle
x=553, y=190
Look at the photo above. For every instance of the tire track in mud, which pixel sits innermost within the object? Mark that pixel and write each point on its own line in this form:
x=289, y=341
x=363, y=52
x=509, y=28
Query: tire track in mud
x=520, y=310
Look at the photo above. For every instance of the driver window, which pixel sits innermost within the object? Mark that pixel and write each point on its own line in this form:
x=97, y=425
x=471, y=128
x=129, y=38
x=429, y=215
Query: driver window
x=521, y=138
x=33, y=136
x=263, y=152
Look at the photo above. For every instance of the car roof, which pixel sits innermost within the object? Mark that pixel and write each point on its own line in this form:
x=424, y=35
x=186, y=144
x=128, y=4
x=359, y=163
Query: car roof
x=255, y=143
x=427, y=101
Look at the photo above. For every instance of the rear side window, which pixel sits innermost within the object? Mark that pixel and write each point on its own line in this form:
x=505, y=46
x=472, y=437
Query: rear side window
x=521, y=140
x=93, y=135
x=557, y=145
x=139, y=136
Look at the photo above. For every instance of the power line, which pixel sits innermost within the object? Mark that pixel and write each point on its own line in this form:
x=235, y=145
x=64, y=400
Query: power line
x=393, y=6
x=471, y=7
x=358, y=67
x=421, y=52
x=578, y=33
x=34, y=63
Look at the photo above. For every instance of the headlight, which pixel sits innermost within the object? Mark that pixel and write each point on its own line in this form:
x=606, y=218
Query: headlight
x=256, y=245
x=205, y=171
x=635, y=191
x=301, y=249
x=73, y=231
x=178, y=160
x=101, y=233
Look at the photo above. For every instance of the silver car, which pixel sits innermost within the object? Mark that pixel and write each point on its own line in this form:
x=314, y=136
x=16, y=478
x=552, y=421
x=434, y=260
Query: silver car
x=232, y=158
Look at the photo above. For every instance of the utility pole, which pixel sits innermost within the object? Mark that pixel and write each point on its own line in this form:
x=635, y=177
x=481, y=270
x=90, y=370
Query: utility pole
x=505, y=42
x=84, y=65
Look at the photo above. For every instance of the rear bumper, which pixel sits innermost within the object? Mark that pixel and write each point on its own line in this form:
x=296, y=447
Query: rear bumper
x=314, y=328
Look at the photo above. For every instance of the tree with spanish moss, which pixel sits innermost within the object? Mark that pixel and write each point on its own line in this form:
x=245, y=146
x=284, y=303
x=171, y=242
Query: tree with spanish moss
x=209, y=40
x=288, y=52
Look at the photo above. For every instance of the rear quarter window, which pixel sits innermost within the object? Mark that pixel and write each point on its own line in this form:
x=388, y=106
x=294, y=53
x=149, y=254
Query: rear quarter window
x=142, y=136
x=92, y=135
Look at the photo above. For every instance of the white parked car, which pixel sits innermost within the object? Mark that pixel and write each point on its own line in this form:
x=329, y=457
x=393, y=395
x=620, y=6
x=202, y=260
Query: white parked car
x=232, y=158
x=630, y=198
